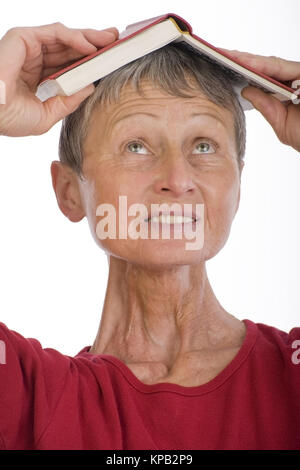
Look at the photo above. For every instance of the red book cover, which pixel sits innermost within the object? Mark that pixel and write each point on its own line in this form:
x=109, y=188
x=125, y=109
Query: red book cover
x=136, y=28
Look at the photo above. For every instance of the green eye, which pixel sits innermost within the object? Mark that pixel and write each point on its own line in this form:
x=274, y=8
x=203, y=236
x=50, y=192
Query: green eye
x=135, y=147
x=205, y=147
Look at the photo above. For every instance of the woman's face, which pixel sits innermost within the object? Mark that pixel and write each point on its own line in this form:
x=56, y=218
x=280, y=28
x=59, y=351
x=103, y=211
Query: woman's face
x=160, y=149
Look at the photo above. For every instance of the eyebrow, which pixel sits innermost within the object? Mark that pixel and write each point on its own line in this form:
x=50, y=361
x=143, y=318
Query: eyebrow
x=211, y=115
x=155, y=116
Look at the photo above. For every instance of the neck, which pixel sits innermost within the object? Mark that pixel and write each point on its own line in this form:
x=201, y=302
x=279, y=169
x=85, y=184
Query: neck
x=160, y=315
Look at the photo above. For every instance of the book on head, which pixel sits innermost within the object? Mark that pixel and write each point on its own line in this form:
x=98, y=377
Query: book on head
x=144, y=37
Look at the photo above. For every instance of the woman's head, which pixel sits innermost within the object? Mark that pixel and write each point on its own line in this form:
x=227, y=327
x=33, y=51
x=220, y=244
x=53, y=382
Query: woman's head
x=166, y=128
x=168, y=68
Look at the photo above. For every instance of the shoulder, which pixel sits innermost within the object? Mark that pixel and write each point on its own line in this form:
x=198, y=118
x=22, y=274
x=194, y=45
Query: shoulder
x=29, y=372
x=274, y=335
x=16, y=348
x=32, y=379
x=274, y=344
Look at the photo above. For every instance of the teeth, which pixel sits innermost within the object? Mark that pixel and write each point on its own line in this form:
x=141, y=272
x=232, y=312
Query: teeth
x=172, y=219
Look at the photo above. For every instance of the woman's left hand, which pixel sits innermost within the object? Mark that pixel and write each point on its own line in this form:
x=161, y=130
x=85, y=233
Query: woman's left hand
x=285, y=120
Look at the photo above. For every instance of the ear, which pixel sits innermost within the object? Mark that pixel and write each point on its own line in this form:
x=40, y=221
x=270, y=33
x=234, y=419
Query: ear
x=66, y=188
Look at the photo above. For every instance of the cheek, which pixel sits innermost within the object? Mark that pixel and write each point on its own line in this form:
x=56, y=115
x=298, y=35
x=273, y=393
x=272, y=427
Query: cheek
x=221, y=201
x=108, y=199
x=220, y=205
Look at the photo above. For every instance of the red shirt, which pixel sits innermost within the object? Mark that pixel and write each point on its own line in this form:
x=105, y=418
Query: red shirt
x=52, y=401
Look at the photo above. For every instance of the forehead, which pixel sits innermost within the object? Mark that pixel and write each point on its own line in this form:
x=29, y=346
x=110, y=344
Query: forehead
x=158, y=103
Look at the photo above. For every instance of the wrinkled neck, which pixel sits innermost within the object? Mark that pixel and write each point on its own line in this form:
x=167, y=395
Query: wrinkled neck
x=158, y=314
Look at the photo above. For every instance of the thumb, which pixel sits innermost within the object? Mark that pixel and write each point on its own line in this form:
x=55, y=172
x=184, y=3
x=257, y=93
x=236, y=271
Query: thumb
x=58, y=107
x=271, y=108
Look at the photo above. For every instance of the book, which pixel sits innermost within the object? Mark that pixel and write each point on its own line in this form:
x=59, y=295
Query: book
x=144, y=37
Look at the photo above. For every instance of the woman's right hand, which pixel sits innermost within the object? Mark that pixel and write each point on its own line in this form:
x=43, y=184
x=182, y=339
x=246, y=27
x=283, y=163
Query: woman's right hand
x=29, y=54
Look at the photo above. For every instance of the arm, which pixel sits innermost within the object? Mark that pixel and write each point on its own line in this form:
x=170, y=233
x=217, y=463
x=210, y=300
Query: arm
x=29, y=54
x=32, y=379
x=285, y=120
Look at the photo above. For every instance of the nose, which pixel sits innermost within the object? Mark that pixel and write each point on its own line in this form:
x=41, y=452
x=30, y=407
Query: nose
x=175, y=177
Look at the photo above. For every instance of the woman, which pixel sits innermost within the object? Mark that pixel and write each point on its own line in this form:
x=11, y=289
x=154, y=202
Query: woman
x=170, y=368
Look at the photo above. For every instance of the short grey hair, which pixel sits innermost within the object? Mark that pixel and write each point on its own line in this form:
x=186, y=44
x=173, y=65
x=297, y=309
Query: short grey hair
x=168, y=68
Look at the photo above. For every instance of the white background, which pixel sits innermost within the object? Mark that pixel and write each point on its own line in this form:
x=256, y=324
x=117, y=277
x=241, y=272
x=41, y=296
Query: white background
x=53, y=276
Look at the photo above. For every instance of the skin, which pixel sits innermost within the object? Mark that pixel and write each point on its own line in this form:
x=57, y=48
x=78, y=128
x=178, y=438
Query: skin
x=29, y=54
x=160, y=314
x=285, y=120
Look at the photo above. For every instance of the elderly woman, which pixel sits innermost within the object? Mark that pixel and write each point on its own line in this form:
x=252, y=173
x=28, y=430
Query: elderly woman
x=170, y=368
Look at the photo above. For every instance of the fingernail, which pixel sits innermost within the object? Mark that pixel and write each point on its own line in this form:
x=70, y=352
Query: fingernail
x=112, y=30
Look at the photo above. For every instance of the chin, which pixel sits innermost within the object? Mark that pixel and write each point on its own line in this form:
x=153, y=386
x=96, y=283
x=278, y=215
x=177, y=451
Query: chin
x=161, y=254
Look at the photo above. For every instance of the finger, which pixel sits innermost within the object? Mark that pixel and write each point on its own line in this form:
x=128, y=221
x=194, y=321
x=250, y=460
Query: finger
x=114, y=30
x=51, y=70
x=94, y=35
x=59, y=47
x=76, y=39
x=58, y=57
x=275, y=67
x=58, y=107
x=27, y=44
x=62, y=59
x=271, y=108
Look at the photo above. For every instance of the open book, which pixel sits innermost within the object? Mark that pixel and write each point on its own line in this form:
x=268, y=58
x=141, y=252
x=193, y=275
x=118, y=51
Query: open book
x=144, y=37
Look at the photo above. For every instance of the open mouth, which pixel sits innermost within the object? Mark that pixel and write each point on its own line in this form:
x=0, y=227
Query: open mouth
x=171, y=219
